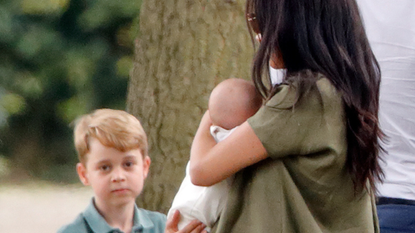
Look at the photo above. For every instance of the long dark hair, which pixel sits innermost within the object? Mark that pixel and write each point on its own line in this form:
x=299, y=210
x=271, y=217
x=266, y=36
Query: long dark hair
x=327, y=37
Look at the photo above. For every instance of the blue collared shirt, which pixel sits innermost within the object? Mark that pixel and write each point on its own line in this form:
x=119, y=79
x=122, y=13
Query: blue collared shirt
x=90, y=221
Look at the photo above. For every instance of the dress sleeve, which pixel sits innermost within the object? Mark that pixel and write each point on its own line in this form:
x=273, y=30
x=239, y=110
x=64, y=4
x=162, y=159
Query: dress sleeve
x=285, y=128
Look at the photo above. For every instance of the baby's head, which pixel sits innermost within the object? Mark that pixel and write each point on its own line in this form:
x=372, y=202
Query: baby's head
x=232, y=102
x=112, y=128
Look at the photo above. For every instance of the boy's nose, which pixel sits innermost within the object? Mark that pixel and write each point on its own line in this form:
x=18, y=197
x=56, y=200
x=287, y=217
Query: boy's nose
x=118, y=176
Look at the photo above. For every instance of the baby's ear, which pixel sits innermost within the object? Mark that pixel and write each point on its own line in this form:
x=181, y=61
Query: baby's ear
x=81, y=170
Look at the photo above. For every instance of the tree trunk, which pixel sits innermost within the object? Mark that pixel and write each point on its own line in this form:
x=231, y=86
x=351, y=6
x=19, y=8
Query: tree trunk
x=185, y=48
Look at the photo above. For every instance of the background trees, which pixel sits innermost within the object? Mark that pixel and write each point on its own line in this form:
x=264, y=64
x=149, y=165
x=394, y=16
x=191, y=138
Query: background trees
x=59, y=59
x=184, y=48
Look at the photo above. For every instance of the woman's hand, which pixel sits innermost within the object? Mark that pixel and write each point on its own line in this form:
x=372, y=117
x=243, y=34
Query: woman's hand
x=193, y=227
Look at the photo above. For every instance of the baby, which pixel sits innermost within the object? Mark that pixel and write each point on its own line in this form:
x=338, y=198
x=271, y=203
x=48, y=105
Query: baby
x=231, y=103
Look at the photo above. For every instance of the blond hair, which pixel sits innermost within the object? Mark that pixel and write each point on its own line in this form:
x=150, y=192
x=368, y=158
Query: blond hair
x=113, y=128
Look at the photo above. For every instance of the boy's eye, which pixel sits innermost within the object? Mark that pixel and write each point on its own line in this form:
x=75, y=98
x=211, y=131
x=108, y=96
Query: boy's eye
x=130, y=164
x=104, y=168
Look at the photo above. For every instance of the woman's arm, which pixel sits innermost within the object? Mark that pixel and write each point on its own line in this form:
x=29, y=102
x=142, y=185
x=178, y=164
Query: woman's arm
x=211, y=163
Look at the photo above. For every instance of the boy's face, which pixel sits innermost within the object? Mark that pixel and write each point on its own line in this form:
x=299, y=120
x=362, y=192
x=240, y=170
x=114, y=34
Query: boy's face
x=116, y=177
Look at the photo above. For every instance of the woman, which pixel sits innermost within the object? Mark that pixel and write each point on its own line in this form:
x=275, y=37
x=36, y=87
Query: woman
x=308, y=160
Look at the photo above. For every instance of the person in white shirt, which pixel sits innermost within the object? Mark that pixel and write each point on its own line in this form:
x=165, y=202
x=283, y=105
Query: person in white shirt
x=231, y=103
x=390, y=27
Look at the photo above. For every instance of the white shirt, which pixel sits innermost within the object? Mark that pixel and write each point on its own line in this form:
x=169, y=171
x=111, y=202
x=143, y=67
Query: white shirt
x=390, y=26
x=202, y=203
x=277, y=75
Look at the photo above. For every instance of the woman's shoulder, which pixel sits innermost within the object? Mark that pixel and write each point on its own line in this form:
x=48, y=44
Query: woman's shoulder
x=318, y=89
x=326, y=87
x=284, y=97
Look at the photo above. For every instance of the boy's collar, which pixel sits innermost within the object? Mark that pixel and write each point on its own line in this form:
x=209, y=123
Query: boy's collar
x=141, y=219
x=95, y=220
x=98, y=223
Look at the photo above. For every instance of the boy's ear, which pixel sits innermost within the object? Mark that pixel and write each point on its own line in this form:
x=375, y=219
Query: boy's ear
x=81, y=170
x=146, y=166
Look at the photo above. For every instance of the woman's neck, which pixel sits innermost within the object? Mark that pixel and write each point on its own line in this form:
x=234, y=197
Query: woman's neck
x=276, y=61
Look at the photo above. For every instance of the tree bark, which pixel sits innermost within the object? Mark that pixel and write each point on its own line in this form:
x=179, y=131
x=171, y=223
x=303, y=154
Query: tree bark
x=185, y=48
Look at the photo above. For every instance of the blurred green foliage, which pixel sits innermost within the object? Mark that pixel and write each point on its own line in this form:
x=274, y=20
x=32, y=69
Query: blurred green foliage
x=59, y=59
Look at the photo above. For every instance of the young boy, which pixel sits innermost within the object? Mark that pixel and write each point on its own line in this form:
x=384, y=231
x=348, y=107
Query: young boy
x=112, y=150
x=231, y=103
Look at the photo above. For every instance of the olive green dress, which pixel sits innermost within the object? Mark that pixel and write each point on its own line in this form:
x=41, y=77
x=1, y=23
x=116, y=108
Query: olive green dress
x=304, y=186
